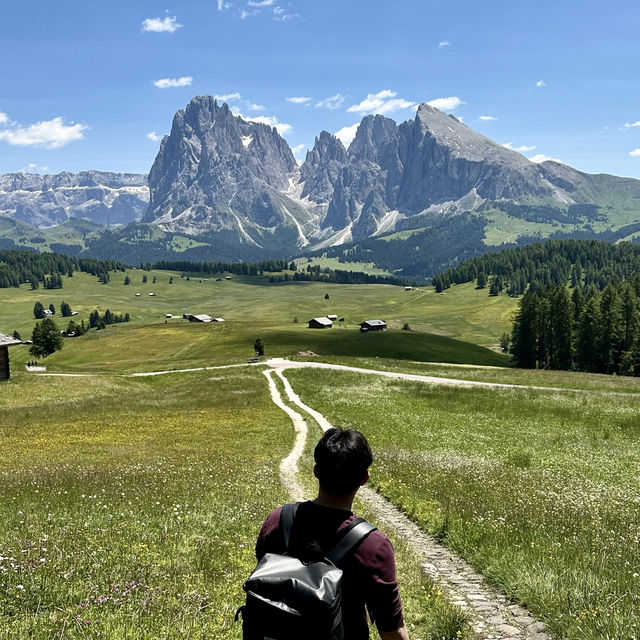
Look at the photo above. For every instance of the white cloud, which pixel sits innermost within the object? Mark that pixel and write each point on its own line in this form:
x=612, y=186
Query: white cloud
x=334, y=102
x=34, y=167
x=167, y=24
x=223, y=6
x=4, y=118
x=298, y=149
x=299, y=100
x=446, y=104
x=382, y=102
x=540, y=157
x=635, y=152
x=154, y=136
x=281, y=127
x=347, y=134
x=625, y=126
x=541, y=83
x=522, y=147
x=280, y=14
x=443, y=43
x=166, y=83
x=252, y=106
x=50, y=134
x=225, y=97
x=487, y=118
x=261, y=3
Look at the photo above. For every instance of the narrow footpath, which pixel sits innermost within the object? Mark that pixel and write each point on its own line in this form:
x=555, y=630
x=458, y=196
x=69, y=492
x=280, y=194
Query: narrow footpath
x=492, y=615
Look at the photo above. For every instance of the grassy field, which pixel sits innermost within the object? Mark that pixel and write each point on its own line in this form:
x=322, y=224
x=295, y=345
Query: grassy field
x=254, y=308
x=129, y=508
x=538, y=490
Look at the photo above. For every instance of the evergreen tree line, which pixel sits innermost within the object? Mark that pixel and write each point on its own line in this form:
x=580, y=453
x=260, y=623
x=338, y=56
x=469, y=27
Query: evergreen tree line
x=553, y=263
x=237, y=268
x=98, y=321
x=20, y=266
x=595, y=331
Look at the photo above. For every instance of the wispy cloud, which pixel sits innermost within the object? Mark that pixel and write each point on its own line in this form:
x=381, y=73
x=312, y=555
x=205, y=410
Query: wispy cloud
x=443, y=43
x=487, y=118
x=297, y=150
x=154, y=136
x=299, y=100
x=281, y=127
x=261, y=3
x=34, y=167
x=446, y=104
x=384, y=101
x=167, y=24
x=347, y=134
x=4, y=118
x=541, y=83
x=334, y=102
x=49, y=134
x=236, y=97
x=226, y=97
x=223, y=5
x=540, y=157
x=522, y=147
x=635, y=153
x=166, y=83
x=630, y=125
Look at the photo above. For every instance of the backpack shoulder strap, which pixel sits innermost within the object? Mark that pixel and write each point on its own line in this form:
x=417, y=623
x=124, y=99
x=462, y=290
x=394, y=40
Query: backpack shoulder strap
x=356, y=533
x=287, y=515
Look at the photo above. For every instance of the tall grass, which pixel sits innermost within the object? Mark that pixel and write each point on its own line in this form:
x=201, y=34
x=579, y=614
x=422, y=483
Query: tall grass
x=537, y=489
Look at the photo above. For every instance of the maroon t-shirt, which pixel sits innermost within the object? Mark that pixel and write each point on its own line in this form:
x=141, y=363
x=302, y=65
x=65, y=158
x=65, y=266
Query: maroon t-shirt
x=369, y=572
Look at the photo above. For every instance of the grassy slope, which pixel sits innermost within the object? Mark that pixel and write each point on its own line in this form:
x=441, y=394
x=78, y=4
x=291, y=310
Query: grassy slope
x=537, y=489
x=136, y=514
x=253, y=308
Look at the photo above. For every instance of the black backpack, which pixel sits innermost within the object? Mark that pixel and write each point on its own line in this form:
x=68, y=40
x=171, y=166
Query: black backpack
x=288, y=599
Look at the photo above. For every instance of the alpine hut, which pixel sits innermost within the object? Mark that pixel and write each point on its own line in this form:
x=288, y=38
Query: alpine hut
x=5, y=342
x=373, y=325
x=320, y=323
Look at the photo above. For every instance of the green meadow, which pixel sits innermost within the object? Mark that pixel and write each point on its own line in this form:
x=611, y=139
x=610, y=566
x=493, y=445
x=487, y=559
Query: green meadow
x=537, y=489
x=129, y=506
x=442, y=325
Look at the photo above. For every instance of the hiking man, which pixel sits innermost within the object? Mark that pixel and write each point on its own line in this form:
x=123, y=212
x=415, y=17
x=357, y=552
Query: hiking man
x=342, y=459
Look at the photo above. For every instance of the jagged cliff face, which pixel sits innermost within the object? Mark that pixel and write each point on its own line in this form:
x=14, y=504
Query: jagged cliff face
x=431, y=164
x=48, y=200
x=216, y=172
x=235, y=183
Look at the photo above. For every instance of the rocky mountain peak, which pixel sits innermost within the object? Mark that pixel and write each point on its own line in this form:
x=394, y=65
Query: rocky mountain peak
x=322, y=166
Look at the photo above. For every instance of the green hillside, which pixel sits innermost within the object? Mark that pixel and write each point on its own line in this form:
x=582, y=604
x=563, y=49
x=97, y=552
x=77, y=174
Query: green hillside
x=459, y=326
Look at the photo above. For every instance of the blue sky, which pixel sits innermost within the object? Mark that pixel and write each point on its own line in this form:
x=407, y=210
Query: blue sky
x=92, y=85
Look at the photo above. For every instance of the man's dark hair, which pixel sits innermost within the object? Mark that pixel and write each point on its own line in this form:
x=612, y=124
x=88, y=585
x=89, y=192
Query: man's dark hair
x=342, y=458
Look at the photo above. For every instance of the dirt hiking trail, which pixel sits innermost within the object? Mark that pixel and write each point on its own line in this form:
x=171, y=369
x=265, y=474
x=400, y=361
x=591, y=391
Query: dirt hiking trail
x=492, y=615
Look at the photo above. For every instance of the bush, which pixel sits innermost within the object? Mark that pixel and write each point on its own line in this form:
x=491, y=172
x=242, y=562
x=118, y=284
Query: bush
x=258, y=347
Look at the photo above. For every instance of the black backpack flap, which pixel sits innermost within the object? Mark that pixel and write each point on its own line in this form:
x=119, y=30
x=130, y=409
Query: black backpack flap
x=348, y=541
x=310, y=590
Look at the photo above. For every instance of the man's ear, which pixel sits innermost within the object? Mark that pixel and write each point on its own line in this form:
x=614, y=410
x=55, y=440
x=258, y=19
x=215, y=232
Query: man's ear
x=365, y=478
x=315, y=470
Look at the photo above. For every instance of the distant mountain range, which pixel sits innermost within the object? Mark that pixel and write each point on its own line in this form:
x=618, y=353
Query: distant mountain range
x=418, y=196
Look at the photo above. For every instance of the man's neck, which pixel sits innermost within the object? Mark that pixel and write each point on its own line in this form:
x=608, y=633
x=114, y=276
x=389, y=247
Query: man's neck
x=325, y=499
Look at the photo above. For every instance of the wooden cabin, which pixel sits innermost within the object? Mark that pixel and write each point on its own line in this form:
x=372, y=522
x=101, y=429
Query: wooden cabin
x=320, y=323
x=5, y=342
x=373, y=325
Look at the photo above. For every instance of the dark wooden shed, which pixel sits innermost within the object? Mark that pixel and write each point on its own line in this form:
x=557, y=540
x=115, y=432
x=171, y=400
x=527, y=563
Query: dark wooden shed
x=320, y=323
x=5, y=342
x=373, y=325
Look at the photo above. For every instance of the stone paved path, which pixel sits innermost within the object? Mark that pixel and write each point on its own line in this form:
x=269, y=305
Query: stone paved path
x=492, y=615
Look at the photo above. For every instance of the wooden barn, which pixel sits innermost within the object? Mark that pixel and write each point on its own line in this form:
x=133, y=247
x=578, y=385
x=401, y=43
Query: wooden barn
x=320, y=323
x=373, y=325
x=5, y=342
